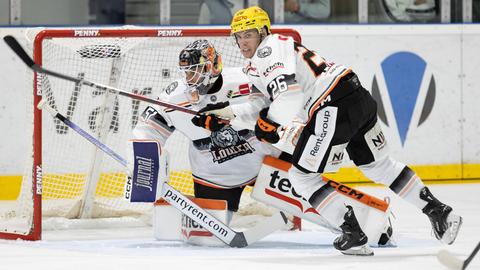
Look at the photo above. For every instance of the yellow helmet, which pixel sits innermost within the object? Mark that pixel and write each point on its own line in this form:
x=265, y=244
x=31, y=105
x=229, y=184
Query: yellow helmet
x=250, y=18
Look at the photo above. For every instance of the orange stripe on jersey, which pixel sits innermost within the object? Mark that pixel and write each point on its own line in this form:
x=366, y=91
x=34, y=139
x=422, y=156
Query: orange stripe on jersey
x=183, y=104
x=294, y=87
x=319, y=101
x=212, y=185
x=207, y=184
x=255, y=95
x=211, y=204
x=158, y=128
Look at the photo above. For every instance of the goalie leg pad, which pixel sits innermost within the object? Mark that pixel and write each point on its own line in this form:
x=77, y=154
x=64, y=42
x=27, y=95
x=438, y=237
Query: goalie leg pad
x=330, y=204
x=326, y=206
x=195, y=234
x=167, y=221
x=169, y=224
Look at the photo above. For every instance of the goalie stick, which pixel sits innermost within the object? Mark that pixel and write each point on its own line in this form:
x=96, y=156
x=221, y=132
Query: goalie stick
x=22, y=54
x=454, y=263
x=185, y=205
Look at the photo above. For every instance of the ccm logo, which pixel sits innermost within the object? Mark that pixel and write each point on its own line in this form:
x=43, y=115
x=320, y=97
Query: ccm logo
x=345, y=190
x=128, y=188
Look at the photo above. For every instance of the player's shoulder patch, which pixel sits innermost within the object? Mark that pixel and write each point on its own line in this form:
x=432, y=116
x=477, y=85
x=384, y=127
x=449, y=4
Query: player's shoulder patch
x=264, y=51
x=174, y=93
x=171, y=87
x=273, y=47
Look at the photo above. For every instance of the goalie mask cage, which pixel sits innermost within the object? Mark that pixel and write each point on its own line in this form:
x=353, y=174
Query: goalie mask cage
x=67, y=177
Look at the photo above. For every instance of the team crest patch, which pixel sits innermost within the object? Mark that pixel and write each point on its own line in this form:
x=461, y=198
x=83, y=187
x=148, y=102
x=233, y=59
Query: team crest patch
x=227, y=144
x=171, y=87
x=264, y=52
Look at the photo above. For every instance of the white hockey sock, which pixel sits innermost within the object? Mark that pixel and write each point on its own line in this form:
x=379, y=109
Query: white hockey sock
x=408, y=185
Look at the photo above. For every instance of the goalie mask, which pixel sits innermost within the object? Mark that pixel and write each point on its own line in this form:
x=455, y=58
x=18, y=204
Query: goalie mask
x=200, y=65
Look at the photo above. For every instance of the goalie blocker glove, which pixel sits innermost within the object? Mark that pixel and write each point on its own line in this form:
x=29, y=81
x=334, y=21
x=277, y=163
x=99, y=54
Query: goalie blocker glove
x=266, y=129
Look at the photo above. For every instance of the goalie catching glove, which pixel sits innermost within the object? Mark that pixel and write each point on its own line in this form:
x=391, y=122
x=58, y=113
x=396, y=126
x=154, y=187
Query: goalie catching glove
x=220, y=109
x=210, y=122
x=214, y=116
x=266, y=129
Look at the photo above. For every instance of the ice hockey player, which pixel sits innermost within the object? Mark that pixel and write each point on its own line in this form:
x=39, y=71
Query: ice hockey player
x=331, y=111
x=223, y=158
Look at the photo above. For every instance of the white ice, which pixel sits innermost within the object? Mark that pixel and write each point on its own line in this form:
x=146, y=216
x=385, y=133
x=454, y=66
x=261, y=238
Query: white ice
x=135, y=248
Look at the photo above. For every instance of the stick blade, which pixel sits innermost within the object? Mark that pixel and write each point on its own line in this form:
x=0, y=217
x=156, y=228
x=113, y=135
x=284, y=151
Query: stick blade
x=449, y=260
x=265, y=227
x=18, y=49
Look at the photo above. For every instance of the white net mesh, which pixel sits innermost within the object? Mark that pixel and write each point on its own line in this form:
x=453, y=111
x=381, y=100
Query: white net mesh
x=143, y=65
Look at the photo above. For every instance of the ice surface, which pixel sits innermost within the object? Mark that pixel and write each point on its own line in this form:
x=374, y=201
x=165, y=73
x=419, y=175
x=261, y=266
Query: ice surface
x=135, y=248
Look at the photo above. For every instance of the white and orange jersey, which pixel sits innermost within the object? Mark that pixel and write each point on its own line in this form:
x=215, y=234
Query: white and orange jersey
x=295, y=79
x=227, y=158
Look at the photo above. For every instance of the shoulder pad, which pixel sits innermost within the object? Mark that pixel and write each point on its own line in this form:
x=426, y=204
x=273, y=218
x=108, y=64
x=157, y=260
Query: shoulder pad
x=174, y=92
x=174, y=87
x=171, y=87
x=273, y=45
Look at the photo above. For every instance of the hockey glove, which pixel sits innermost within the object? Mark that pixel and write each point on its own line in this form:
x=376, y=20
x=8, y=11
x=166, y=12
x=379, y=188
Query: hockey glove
x=210, y=122
x=221, y=109
x=266, y=129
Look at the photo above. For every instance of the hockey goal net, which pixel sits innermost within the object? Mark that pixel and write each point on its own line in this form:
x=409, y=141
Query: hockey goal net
x=65, y=175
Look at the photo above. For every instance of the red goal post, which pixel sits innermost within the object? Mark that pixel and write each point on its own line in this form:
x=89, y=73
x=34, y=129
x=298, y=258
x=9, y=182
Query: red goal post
x=70, y=173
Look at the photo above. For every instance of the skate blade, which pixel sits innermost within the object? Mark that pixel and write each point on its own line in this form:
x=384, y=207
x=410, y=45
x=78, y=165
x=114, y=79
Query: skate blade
x=390, y=244
x=451, y=234
x=364, y=250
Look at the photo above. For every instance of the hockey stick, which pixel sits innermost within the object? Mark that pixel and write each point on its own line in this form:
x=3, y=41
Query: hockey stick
x=452, y=262
x=357, y=195
x=20, y=52
x=185, y=205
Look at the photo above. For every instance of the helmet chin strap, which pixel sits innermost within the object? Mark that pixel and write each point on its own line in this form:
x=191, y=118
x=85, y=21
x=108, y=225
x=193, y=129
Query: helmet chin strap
x=263, y=34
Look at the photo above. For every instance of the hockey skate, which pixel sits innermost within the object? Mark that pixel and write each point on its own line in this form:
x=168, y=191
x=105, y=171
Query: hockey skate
x=353, y=240
x=445, y=223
